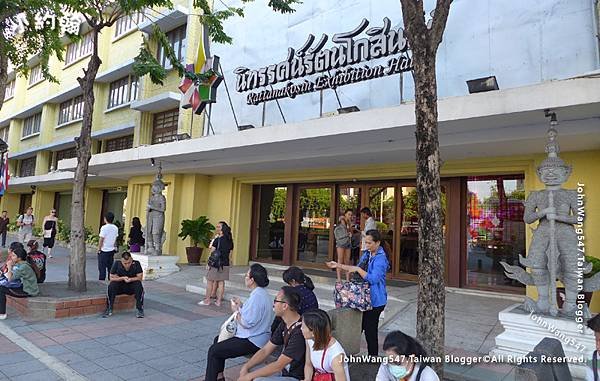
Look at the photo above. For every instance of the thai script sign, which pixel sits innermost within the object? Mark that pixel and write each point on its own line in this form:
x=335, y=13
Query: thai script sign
x=309, y=60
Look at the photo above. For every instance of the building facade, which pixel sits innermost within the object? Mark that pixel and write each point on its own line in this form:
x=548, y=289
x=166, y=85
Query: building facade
x=282, y=184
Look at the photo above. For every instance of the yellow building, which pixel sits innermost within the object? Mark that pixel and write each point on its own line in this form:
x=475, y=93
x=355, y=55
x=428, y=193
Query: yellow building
x=282, y=187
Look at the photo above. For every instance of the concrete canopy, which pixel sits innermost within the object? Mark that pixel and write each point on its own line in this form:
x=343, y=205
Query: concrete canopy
x=499, y=123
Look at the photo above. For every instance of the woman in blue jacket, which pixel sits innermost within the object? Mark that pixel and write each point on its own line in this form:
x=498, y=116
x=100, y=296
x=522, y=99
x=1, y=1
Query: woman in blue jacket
x=372, y=267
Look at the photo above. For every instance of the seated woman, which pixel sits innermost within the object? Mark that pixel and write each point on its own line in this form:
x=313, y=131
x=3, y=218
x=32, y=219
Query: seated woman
x=404, y=363
x=17, y=269
x=324, y=354
x=37, y=260
x=253, y=321
x=295, y=277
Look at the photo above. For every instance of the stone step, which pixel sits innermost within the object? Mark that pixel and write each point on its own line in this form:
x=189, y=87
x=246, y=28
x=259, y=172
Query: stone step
x=324, y=293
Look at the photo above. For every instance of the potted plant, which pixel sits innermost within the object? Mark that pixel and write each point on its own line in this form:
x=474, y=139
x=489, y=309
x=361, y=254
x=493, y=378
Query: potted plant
x=200, y=232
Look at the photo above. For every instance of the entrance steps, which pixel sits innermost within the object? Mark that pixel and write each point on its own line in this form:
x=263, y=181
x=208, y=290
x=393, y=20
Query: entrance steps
x=324, y=283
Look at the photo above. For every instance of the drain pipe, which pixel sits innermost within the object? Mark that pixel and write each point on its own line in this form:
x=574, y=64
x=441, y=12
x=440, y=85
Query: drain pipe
x=596, y=25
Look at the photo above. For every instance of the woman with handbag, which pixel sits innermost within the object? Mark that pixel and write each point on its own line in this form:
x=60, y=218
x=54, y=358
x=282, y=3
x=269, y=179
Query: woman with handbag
x=325, y=357
x=218, y=264
x=372, y=268
x=49, y=225
x=253, y=320
x=405, y=356
x=136, y=236
x=17, y=269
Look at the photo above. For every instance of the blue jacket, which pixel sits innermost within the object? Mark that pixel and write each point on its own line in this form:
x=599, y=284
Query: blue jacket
x=377, y=270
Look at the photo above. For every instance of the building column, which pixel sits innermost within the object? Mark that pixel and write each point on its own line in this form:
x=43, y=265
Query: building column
x=42, y=202
x=93, y=209
x=10, y=203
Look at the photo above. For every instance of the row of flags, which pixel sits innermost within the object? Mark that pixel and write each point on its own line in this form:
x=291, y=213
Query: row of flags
x=4, y=173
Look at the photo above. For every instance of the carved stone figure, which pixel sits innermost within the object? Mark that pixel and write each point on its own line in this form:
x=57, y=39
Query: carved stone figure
x=553, y=253
x=155, y=218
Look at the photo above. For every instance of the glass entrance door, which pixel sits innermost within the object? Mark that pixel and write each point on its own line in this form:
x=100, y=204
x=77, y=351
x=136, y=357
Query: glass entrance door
x=409, y=230
x=315, y=206
x=382, y=202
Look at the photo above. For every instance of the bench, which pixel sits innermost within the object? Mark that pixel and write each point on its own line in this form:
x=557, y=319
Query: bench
x=55, y=301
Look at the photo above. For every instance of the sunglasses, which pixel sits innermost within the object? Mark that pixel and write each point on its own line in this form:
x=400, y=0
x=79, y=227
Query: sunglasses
x=279, y=301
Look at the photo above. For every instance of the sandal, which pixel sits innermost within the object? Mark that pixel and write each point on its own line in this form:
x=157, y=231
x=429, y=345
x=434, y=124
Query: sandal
x=203, y=303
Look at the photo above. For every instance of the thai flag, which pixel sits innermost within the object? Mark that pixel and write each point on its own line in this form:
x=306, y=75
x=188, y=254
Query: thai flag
x=4, y=174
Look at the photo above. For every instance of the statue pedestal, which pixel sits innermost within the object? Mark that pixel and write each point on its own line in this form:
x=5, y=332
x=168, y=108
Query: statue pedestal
x=523, y=331
x=157, y=266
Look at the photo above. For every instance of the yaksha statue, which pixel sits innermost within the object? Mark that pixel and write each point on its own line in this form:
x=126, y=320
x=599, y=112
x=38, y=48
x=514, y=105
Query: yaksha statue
x=155, y=218
x=553, y=253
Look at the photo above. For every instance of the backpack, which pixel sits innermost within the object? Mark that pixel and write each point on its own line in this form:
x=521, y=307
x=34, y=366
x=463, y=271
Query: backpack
x=37, y=262
x=216, y=259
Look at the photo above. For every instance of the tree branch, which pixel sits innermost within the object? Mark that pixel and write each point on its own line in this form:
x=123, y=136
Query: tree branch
x=438, y=24
x=414, y=23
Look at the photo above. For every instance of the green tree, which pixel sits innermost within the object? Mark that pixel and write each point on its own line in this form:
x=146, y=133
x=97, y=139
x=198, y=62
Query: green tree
x=424, y=38
x=101, y=14
x=18, y=48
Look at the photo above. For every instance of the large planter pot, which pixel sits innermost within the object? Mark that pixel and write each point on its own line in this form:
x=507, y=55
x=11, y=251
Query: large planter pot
x=193, y=255
x=560, y=300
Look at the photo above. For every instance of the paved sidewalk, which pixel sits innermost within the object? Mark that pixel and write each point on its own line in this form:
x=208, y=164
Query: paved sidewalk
x=172, y=341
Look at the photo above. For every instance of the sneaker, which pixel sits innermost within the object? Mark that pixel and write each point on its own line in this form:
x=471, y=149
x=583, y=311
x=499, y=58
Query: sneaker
x=203, y=303
x=2, y=316
x=50, y=256
x=139, y=314
x=107, y=313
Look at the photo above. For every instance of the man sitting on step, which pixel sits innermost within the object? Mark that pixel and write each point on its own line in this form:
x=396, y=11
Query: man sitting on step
x=126, y=278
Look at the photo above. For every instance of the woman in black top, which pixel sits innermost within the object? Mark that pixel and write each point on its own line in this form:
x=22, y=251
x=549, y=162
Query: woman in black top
x=136, y=237
x=218, y=264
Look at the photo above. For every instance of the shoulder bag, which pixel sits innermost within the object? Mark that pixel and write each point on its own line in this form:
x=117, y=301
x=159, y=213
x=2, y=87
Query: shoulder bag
x=323, y=376
x=228, y=328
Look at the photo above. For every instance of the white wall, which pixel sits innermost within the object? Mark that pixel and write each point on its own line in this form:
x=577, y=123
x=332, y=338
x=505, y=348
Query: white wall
x=521, y=42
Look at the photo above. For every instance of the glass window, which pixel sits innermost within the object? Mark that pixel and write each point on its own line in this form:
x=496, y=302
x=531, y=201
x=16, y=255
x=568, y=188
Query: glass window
x=165, y=126
x=128, y=22
x=78, y=49
x=119, y=144
x=68, y=153
x=177, y=40
x=70, y=110
x=4, y=134
x=32, y=124
x=35, y=75
x=409, y=231
x=10, y=90
x=349, y=198
x=495, y=229
x=27, y=167
x=122, y=91
x=271, y=223
x=315, y=222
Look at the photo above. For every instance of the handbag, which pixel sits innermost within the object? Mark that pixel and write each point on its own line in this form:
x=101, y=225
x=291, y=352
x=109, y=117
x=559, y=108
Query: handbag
x=323, y=376
x=355, y=294
x=15, y=283
x=228, y=328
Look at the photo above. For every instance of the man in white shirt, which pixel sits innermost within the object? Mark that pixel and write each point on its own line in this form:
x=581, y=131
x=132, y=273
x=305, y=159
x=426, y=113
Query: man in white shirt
x=25, y=222
x=367, y=215
x=107, y=245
